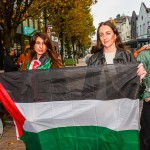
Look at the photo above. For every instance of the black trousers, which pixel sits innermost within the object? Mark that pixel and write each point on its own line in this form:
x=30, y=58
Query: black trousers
x=145, y=127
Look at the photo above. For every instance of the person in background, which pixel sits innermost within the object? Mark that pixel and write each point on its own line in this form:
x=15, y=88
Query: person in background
x=147, y=46
x=42, y=55
x=23, y=59
x=23, y=56
x=93, y=50
x=111, y=50
x=144, y=57
x=9, y=62
x=16, y=55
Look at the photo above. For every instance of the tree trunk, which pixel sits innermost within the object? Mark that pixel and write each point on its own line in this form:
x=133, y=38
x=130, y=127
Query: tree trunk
x=8, y=39
x=62, y=46
x=74, y=51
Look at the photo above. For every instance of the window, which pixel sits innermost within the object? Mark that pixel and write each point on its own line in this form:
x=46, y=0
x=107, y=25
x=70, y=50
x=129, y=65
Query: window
x=148, y=30
x=31, y=23
x=144, y=29
x=142, y=17
x=137, y=32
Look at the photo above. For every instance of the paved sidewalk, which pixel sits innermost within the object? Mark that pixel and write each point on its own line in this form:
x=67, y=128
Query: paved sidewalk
x=9, y=140
x=81, y=62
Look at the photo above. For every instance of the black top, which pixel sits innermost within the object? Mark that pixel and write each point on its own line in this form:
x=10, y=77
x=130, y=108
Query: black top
x=9, y=64
x=121, y=57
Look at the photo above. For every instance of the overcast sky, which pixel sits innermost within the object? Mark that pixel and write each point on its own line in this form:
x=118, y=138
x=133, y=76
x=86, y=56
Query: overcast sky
x=105, y=9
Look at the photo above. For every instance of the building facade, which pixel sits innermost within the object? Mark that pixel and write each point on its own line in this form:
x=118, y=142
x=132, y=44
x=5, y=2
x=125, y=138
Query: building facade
x=135, y=30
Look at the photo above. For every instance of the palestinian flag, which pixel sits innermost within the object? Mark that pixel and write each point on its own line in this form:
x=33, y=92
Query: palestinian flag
x=80, y=108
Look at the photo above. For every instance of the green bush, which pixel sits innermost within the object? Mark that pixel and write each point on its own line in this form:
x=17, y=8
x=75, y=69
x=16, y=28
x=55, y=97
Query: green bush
x=69, y=62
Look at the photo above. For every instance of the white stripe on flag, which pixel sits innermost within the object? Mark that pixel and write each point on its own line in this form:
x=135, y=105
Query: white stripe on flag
x=120, y=114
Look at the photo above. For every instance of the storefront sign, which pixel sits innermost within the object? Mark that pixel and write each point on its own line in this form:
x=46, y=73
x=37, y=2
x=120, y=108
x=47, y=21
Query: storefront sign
x=28, y=31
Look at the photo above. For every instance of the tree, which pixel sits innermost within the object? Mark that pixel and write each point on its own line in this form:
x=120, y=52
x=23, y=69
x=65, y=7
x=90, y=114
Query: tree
x=67, y=19
x=13, y=13
x=81, y=27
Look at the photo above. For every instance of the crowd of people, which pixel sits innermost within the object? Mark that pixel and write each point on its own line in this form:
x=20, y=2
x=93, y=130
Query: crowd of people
x=39, y=54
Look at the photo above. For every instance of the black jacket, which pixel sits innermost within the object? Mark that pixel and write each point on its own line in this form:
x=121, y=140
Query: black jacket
x=121, y=57
x=9, y=64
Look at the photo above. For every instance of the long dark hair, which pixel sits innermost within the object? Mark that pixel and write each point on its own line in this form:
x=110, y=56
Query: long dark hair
x=46, y=40
x=118, y=42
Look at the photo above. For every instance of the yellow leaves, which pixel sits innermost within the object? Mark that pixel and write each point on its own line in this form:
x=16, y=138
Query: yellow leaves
x=72, y=18
x=2, y=20
x=112, y=21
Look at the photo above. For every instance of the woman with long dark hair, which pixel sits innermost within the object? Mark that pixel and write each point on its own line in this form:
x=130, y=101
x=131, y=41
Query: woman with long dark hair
x=111, y=50
x=42, y=55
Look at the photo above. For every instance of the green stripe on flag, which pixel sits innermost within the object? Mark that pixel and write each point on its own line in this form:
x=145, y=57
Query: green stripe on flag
x=82, y=138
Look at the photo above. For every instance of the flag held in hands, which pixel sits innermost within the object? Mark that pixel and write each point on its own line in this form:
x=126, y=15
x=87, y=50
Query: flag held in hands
x=82, y=108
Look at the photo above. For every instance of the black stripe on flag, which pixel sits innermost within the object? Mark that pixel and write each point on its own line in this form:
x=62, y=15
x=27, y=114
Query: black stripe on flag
x=106, y=82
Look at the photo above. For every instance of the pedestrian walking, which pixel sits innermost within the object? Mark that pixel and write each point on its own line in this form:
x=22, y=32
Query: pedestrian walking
x=111, y=50
x=93, y=50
